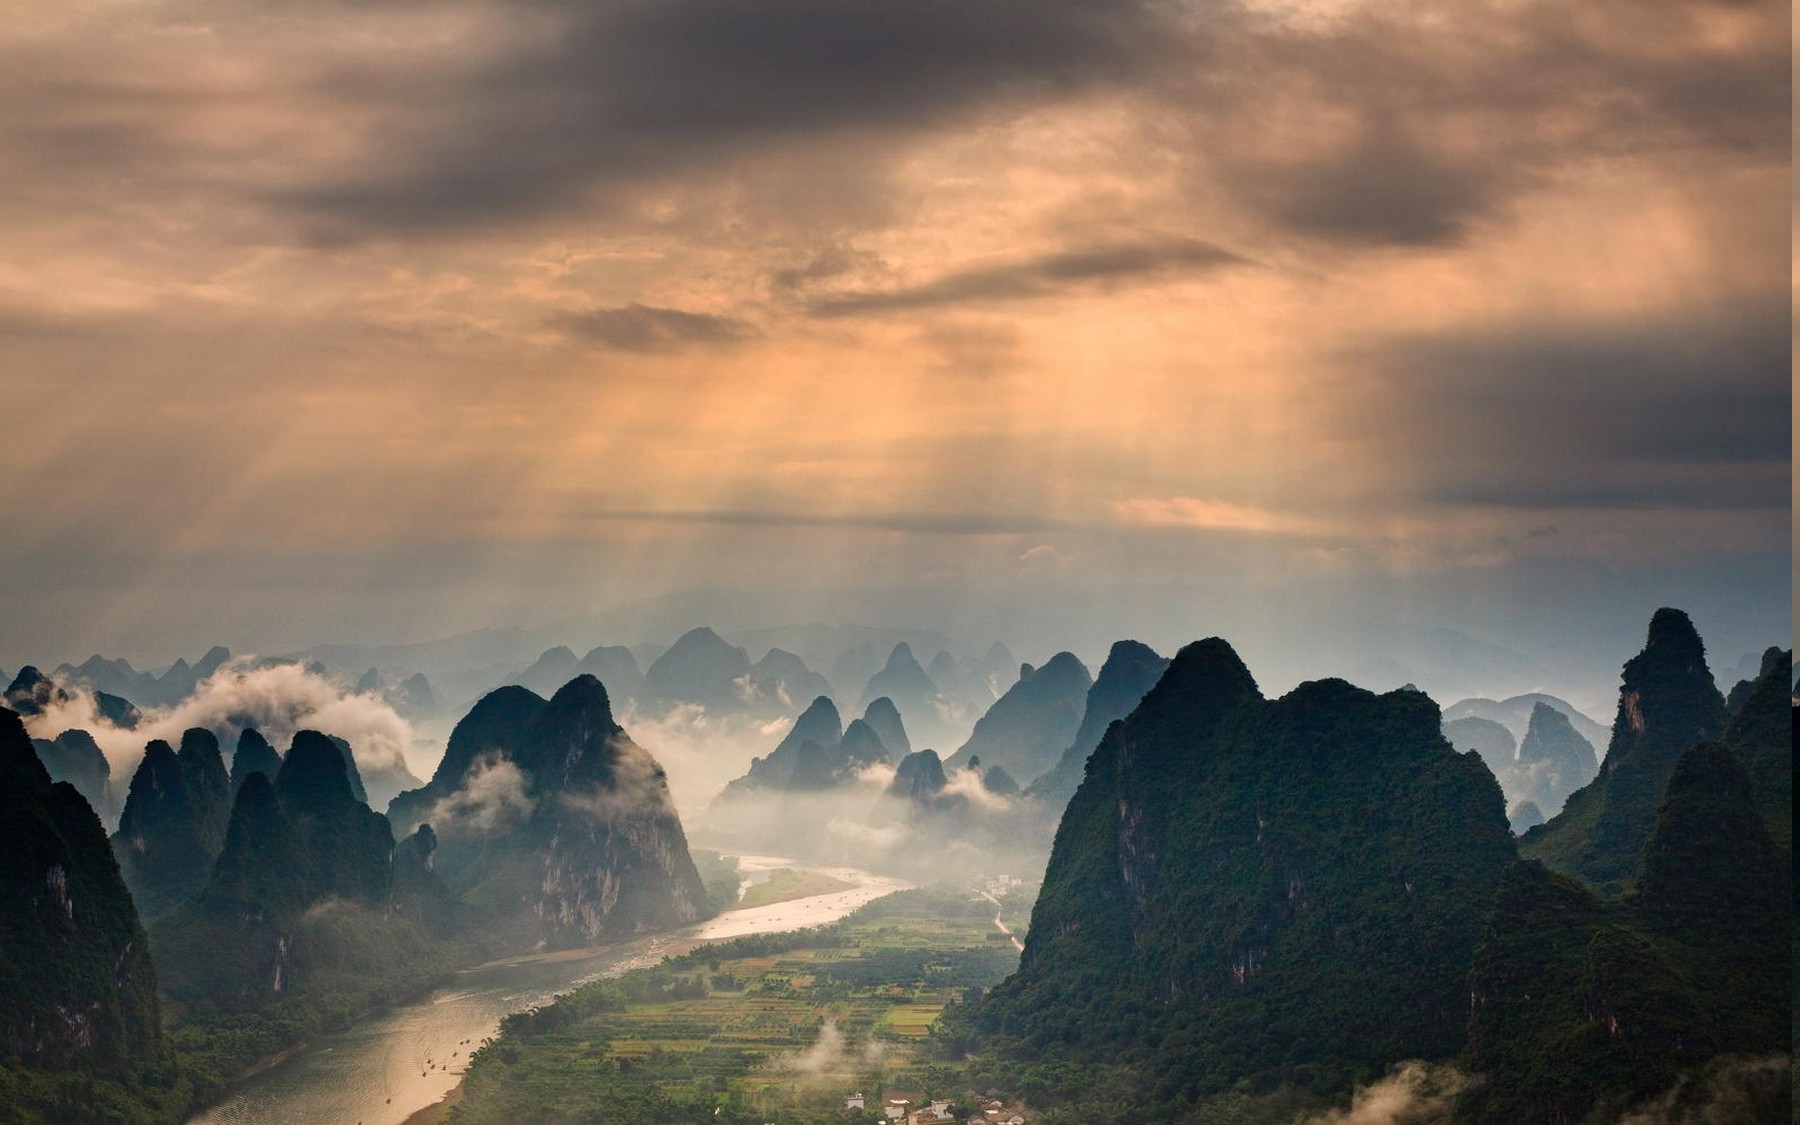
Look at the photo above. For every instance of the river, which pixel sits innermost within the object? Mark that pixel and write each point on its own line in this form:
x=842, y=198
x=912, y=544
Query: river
x=385, y=1068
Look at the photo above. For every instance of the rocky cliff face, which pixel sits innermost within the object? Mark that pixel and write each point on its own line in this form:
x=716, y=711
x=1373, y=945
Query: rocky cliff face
x=1255, y=891
x=1667, y=703
x=300, y=896
x=77, y=991
x=614, y=856
x=1554, y=761
x=174, y=822
x=558, y=825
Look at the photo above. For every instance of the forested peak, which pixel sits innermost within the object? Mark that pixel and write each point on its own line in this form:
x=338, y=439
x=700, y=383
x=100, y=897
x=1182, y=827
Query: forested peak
x=1672, y=642
x=314, y=773
x=1206, y=675
x=19, y=763
x=583, y=700
x=1709, y=848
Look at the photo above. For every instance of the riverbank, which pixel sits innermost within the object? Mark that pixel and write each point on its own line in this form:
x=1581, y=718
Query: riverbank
x=435, y=1114
x=409, y=1058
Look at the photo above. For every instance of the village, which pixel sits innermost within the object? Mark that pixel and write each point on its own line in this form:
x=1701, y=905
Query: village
x=898, y=1107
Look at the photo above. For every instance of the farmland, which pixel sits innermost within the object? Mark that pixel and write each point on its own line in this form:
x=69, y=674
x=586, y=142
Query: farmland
x=777, y=1027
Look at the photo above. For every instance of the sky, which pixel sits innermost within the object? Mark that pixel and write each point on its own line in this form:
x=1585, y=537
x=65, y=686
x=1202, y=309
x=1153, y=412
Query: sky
x=378, y=320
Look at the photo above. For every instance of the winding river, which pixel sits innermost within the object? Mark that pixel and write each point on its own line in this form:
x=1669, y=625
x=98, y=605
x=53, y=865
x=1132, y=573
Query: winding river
x=387, y=1067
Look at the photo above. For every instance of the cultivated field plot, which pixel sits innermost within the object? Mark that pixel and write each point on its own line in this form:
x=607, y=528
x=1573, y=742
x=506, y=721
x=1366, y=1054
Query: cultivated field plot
x=774, y=1027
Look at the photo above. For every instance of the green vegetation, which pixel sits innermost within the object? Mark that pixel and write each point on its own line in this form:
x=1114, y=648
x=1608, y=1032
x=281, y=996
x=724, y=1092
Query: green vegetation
x=1667, y=703
x=720, y=875
x=1247, y=896
x=776, y=1027
x=785, y=884
x=305, y=925
x=80, y=1029
x=1588, y=1005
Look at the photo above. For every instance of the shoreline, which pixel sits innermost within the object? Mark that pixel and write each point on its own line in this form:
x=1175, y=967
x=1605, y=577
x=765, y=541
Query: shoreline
x=657, y=946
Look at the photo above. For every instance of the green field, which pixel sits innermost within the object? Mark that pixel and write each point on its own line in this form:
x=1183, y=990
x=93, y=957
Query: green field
x=785, y=884
x=771, y=1028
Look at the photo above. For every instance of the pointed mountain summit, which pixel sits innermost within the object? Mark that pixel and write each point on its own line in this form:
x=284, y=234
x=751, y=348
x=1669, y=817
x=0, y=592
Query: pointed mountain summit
x=1667, y=703
x=73, y=756
x=552, y=670
x=174, y=822
x=918, y=779
x=1554, y=760
x=700, y=667
x=903, y=681
x=819, y=723
x=215, y=659
x=349, y=845
x=1583, y=1007
x=78, y=996
x=299, y=901
x=884, y=719
x=814, y=756
x=490, y=732
x=1130, y=671
x=861, y=747
x=253, y=755
x=1514, y=713
x=553, y=824
x=1254, y=892
x=32, y=692
x=203, y=767
x=614, y=666
x=1761, y=735
x=1028, y=728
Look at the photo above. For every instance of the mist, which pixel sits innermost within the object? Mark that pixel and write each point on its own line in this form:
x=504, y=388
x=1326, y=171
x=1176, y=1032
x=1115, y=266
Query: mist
x=276, y=699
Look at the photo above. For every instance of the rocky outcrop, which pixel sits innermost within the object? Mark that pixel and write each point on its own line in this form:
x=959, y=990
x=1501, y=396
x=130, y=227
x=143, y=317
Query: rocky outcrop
x=558, y=827
x=174, y=821
x=1254, y=892
x=1667, y=703
x=77, y=991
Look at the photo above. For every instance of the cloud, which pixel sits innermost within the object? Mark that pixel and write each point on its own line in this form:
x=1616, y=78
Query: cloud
x=621, y=92
x=645, y=328
x=1416, y=1093
x=1213, y=515
x=1692, y=412
x=491, y=796
x=1730, y=1089
x=276, y=699
x=1394, y=126
x=824, y=1057
x=1042, y=276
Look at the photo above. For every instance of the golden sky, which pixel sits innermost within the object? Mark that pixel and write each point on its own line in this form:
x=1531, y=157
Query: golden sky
x=367, y=320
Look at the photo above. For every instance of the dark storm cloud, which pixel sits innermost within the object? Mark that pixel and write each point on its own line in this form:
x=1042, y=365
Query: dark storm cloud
x=622, y=91
x=646, y=328
x=1385, y=187
x=1686, y=414
x=1039, y=277
x=1391, y=127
